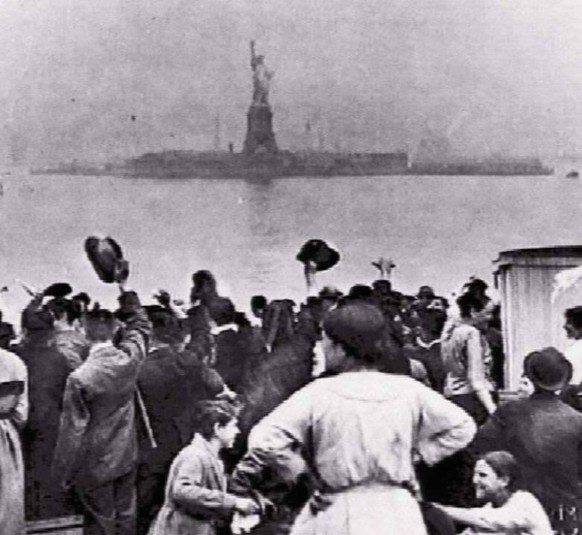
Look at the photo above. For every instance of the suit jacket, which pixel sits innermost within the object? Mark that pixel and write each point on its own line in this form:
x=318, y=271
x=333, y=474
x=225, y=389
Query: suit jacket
x=545, y=437
x=232, y=353
x=171, y=382
x=97, y=440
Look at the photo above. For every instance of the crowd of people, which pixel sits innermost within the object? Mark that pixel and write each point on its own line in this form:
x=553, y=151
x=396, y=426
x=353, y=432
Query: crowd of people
x=368, y=411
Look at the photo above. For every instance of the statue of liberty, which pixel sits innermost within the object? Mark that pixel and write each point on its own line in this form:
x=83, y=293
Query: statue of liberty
x=261, y=78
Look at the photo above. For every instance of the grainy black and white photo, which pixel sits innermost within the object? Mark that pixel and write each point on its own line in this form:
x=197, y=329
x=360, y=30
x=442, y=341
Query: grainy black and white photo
x=286, y=267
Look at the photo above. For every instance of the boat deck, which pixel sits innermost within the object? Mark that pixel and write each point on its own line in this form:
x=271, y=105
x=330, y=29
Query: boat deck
x=70, y=525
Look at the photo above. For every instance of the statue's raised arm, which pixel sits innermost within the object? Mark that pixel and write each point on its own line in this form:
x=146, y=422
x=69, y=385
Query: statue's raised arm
x=253, y=56
x=261, y=78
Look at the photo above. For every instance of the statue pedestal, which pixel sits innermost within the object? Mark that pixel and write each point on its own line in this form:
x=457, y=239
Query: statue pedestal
x=260, y=138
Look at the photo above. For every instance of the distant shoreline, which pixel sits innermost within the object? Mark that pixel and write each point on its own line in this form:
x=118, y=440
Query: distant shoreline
x=224, y=165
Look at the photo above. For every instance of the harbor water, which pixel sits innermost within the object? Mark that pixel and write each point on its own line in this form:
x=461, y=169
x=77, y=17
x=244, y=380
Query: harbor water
x=438, y=230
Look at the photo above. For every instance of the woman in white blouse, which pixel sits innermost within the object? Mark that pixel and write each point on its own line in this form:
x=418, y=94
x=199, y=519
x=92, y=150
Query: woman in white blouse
x=359, y=431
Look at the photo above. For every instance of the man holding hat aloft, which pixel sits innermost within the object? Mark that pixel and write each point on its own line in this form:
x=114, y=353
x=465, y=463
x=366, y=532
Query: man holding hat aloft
x=96, y=452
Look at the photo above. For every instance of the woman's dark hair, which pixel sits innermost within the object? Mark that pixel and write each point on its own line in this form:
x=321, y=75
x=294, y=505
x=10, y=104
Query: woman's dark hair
x=504, y=465
x=207, y=414
x=204, y=284
x=360, y=328
x=468, y=302
x=202, y=277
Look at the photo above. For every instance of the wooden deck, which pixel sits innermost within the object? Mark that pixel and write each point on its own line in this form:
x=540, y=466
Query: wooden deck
x=70, y=525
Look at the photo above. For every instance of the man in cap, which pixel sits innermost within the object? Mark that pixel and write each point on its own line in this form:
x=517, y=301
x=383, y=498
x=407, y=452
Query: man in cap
x=545, y=437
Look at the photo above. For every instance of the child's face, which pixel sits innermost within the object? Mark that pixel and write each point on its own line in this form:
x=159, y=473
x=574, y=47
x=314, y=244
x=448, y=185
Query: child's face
x=227, y=433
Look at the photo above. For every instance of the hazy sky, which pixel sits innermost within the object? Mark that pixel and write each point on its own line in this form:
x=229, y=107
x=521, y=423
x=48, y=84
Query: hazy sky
x=488, y=75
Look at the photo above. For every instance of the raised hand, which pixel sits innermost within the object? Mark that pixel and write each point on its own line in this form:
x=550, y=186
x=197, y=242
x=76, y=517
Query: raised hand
x=385, y=266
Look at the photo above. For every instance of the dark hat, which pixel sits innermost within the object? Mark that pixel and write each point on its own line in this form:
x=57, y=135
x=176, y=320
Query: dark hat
x=83, y=298
x=330, y=292
x=476, y=283
x=425, y=291
x=360, y=291
x=547, y=369
x=58, y=289
x=105, y=255
x=319, y=252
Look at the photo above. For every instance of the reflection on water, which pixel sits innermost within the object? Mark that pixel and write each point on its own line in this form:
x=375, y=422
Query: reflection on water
x=439, y=230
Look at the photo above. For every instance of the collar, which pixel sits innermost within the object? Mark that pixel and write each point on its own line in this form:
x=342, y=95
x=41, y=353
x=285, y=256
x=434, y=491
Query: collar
x=425, y=345
x=201, y=442
x=544, y=394
x=222, y=328
x=255, y=322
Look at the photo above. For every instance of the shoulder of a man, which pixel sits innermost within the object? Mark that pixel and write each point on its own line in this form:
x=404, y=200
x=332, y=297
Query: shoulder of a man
x=13, y=360
x=574, y=349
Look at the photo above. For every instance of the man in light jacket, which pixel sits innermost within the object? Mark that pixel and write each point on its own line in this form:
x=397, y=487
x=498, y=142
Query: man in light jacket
x=97, y=447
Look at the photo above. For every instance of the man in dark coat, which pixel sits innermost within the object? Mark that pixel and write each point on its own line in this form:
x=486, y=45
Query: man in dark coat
x=545, y=437
x=231, y=347
x=171, y=381
x=48, y=369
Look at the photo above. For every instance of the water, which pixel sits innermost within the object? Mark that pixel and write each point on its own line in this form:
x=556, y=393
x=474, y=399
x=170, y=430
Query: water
x=438, y=230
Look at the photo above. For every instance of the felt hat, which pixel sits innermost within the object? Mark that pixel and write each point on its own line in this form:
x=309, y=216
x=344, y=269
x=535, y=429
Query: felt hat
x=318, y=251
x=105, y=255
x=477, y=284
x=58, y=289
x=330, y=292
x=547, y=369
x=82, y=297
x=425, y=291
